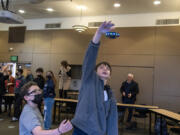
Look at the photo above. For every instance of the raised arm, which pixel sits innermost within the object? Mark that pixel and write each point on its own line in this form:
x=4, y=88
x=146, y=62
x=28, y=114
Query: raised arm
x=92, y=51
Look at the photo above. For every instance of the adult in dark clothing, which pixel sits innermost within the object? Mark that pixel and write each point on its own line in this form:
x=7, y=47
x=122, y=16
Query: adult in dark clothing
x=29, y=76
x=40, y=82
x=129, y=90
x=2, y=88
x=20, y=81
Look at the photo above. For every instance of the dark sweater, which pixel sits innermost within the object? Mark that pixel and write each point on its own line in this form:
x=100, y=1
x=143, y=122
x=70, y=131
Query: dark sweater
x=129, y=88
x=20, y=81
x=49, y=89
x=93, y=115
x=40, y=81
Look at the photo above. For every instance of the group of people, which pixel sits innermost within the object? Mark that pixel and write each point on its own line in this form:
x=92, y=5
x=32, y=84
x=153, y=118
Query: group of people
x=96, y=112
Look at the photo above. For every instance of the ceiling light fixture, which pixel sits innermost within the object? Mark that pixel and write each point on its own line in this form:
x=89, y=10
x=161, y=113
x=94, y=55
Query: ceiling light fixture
x=157, y=2
x=49, y=9
x=21, y=11
x=117, y=5
x=81, y=7
x=79, y=27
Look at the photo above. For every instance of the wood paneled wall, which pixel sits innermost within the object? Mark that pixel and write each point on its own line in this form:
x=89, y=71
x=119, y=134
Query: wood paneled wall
x=151, y=53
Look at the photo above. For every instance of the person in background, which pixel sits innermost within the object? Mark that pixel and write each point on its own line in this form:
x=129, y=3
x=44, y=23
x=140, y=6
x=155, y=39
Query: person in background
x=2, y=89
x=3, y=70
x=31, y=121
x=20, y=81
x=29, y=76
x=64, y=79
x=9, y=85
x=129, y=89
x=49, y=94
x=40, y=80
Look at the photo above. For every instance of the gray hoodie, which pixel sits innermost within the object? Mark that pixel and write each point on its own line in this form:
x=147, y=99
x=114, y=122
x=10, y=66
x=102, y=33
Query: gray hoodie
x=93, y=115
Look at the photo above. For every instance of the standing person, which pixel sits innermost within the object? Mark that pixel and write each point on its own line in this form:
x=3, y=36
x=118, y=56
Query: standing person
x=49, y=94
x=64, y=79
x=129, y=89
x=20, y=81
x=31, y=121
x=9, y=84
x=96, y=112
x=29, y=76
x=40, y=82
x=2, y=88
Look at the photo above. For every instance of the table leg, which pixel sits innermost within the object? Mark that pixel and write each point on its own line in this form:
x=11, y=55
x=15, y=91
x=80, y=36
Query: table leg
x=54, y=115
x=149, y=122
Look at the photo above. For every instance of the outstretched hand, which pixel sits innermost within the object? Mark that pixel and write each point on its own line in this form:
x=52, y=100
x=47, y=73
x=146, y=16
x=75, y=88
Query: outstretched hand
x=104, y=27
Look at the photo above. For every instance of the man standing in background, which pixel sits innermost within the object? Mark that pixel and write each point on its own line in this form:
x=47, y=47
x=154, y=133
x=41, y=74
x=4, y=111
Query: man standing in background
x=129, y=90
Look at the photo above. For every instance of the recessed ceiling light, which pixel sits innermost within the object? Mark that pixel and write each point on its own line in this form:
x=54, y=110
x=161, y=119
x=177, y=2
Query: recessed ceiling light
x=50, y=9
x=21, y=11
x=117, y=4
x=157, y=2
x=81, y=7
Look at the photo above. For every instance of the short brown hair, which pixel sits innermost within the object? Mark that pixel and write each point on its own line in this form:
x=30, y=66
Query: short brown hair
x=104, y=63
x=25, y=88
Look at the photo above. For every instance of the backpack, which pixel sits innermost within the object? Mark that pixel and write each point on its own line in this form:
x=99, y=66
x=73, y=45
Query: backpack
x=157, y=127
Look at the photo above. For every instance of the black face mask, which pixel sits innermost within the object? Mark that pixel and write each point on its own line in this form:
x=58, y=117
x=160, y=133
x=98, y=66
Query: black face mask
x=48, y=77
x=37, y=99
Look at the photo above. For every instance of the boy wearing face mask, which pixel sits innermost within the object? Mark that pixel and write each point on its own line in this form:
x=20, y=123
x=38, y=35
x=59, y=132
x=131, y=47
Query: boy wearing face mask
x=20, y=81
x=31, y=121
x=49, y=94
x=40, y=82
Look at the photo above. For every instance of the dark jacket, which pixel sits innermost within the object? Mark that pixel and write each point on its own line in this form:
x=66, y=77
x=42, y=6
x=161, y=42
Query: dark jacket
x=93, y=115
x=49, y=89
x=20, y=81
x=40, y=81
x=29, y=78
x=2, y=84
x=129, y=88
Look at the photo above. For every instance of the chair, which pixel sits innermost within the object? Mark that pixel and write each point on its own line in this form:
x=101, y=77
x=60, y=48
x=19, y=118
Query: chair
x=141, y=113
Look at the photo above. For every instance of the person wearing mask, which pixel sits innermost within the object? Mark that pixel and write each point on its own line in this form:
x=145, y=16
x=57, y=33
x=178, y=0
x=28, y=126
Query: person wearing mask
x=9, y=85
x=129, y=89
x=20, y=81
x=49, y=94
x=40, y=80
x=64, y=79
x=31, y=121
x=29, y=76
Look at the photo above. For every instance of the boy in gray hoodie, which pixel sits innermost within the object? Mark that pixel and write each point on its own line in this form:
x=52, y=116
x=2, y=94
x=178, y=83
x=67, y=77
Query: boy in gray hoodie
x=96, y=112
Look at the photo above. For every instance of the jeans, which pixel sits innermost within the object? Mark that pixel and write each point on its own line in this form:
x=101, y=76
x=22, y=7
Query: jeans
x=48, y=105
x=77, y=131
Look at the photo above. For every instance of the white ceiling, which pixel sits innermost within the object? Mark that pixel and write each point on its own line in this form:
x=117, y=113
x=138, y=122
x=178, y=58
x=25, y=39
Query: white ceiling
x=67, y=8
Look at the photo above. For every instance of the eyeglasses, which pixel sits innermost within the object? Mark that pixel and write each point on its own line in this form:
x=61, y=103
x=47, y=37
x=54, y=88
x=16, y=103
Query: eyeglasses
x=35, y=91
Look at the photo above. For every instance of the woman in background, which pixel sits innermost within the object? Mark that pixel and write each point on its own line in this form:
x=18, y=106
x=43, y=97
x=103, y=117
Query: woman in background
x=9, y=85
x=64, y=79
x=49, y=94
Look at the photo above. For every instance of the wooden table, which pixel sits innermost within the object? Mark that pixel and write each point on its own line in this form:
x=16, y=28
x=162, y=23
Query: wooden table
x=166, y=114
x=62, y=100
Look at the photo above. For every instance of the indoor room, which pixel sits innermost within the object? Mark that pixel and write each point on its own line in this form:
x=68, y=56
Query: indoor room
x=98, y=67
